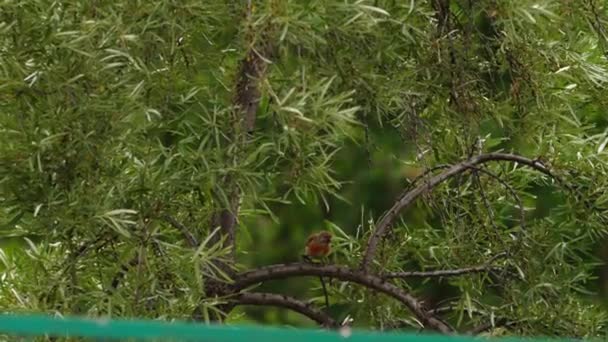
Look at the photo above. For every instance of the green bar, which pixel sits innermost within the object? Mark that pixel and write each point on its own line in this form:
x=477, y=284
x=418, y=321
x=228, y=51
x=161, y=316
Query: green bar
x=39, y=325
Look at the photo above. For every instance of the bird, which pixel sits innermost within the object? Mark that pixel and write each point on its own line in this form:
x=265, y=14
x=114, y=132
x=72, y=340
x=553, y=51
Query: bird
x=318, y=245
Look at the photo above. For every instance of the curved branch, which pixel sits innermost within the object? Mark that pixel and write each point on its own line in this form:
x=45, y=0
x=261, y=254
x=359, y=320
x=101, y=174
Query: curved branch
x=446, y=273
x=404, y=201
x=282, y=271
x=286, y=302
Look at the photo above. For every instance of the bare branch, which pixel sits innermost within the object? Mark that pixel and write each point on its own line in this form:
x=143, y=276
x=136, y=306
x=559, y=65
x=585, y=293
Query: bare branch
x=446, y=273
x=283, y=271
x=286, y=302
x=190, y=239
x=383, y=226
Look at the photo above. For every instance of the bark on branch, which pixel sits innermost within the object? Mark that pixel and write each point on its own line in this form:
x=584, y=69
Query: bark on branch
x=385, y=223
x=246, y=100
x=283, y=271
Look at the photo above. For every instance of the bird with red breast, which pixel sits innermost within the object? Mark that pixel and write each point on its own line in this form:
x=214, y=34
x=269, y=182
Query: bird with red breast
x=318, y=245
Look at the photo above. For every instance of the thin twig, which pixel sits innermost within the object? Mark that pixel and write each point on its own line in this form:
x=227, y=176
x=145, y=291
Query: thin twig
x=283, y=271
x=325, y=293
x=404, y=201
x=287, y=302
x=307, y=259
x=446, y=273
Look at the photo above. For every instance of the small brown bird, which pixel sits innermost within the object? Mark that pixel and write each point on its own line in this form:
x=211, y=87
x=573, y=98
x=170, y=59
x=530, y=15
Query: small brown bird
x=318, y=245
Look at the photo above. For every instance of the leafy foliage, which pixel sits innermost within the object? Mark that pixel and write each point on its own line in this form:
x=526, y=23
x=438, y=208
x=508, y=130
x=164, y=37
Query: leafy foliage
x=117, y=113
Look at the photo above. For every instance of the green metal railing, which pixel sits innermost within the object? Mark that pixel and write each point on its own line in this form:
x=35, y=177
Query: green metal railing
x=33, y=326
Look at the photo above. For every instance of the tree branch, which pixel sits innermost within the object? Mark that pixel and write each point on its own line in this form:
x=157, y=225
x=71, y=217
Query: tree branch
x=246, y=100
x=286, y=302
x=404, y=201
x=283, y=271
x=446, y=273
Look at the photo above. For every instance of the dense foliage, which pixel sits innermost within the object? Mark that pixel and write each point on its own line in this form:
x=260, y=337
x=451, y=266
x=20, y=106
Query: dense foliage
x=121, y=127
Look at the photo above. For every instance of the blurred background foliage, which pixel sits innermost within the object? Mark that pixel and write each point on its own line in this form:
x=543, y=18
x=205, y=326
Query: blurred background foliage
x=115, y=112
